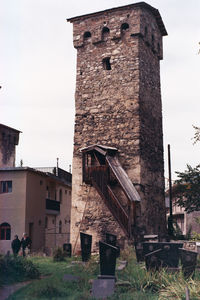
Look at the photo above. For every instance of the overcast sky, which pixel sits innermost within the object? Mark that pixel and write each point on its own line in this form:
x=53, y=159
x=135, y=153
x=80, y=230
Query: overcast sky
x=38, y=68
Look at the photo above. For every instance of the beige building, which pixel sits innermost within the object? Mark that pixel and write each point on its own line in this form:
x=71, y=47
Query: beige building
x=185, y=221
x=35, y=201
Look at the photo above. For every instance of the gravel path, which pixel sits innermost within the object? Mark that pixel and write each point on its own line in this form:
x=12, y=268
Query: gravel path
x=7, y=290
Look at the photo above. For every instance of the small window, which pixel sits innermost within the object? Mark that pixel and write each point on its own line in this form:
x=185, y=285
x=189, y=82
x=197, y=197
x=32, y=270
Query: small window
x=105, y=33
x=39, y=222
x=60, y=226
x=53, y=221
x=124, y=26
x=87, y=35
x=47, y=192
x=70, y=193
x=5, y=231
x=41, y=182
x=106, y=63
x=5, y=187
x=66, y=192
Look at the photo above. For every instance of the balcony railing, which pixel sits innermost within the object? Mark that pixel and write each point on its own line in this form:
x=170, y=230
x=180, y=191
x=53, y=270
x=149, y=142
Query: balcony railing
x=53, y=205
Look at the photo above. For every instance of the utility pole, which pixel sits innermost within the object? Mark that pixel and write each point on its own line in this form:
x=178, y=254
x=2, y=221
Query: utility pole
x=170, y=219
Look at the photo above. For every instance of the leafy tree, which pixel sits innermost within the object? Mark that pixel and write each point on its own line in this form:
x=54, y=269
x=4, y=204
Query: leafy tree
x=187, y=189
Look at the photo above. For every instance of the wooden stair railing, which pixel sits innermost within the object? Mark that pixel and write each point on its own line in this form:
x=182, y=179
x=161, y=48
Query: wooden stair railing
x=99, y=177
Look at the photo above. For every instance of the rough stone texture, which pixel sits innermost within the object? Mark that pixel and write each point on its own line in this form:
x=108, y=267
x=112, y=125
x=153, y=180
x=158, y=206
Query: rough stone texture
x=9, y=138
x=120, y=107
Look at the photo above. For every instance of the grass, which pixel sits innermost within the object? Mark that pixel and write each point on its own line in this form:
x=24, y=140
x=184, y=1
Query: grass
x=134, y=282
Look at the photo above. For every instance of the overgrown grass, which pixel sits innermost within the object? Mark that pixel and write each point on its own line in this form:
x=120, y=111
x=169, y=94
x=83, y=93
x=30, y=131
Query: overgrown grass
x=134, y=282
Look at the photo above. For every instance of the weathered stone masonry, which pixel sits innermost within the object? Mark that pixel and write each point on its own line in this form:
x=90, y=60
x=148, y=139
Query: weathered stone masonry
x=118, y=104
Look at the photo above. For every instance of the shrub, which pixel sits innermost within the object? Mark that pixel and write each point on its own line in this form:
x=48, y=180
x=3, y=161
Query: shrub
x=17, y=269
x=58, y=255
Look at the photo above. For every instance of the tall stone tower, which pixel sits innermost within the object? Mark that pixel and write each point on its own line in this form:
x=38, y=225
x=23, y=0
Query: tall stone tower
x=118, y=104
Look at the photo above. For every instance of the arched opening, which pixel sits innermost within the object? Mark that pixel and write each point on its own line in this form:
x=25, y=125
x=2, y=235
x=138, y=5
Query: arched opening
x=5, y=231
x=124, y=26
x=60, y=226
x=105, y=33
x=87, y=35
x=106, y=63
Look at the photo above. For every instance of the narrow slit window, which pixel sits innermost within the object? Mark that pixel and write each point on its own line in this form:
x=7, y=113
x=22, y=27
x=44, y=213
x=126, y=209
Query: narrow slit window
x=106, y=63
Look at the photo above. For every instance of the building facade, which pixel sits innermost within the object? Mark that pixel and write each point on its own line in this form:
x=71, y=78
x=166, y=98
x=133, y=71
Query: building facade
x=37, y=203
x=118, y=104
x=32, y=201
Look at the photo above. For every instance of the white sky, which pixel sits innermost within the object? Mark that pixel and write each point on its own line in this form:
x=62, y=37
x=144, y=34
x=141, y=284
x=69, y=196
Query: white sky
x=38, y=68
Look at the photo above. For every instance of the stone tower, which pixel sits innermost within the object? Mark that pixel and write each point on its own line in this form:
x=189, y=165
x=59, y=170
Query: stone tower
x=9, y=138
x=118, y=104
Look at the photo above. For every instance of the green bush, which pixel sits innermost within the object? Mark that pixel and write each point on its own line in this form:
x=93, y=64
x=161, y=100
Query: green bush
x=58, y=255
x=17, y=269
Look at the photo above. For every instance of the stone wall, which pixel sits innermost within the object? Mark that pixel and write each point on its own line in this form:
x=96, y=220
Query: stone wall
x=8, y=140
x=118, y=103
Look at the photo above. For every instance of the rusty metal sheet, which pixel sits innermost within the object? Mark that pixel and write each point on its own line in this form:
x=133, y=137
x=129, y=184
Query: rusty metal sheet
x=123, y=178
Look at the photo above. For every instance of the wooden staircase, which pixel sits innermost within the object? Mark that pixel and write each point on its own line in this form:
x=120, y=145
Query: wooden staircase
x=102, y=170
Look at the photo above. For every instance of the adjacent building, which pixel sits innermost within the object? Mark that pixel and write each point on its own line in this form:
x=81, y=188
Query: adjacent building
x=35, y=201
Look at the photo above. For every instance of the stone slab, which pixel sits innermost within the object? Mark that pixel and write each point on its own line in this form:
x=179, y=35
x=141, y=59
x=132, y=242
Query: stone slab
x=102, y=288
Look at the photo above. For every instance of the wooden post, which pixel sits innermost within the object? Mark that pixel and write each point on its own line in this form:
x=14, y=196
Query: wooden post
x=170, y=219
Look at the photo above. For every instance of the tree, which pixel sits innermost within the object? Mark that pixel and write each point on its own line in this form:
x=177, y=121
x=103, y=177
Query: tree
x=187, y=189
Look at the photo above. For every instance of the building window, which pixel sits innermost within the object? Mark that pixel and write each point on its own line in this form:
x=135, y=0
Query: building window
x=70, y=193
x=47, y=193
x=5, y=186
x=87, y=35
x=105, y=33
x=60, y=195
x=5, y=231
x=39, y=222
x=106, y=63
x=60, y=226
x=124, y=26
x=41, y=182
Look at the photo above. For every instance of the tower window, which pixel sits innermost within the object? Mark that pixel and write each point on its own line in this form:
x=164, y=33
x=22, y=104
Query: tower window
x=124, y=26
x=105, y=30
x=106, y=63
x=87, y=35
x=105, y=33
